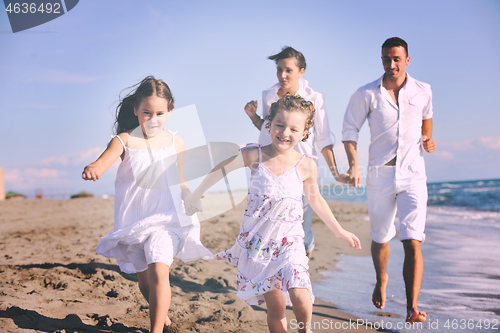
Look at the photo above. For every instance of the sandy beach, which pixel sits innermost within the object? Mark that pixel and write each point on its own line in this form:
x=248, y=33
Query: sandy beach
x=52, y=280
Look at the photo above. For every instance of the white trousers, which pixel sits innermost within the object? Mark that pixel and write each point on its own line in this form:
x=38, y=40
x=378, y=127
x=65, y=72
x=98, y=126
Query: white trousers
x=386, y=195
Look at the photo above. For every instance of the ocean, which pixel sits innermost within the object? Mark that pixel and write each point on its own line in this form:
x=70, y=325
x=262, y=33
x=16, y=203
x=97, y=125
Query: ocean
x=461, y=284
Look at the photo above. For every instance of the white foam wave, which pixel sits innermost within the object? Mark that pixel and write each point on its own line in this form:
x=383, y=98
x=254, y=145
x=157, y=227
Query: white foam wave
x=462, y=213
x=482, y=189
x=437, y=198
x=451, y=185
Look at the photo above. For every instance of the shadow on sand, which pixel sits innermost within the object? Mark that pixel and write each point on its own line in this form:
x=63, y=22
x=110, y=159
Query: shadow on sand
x=28, y=319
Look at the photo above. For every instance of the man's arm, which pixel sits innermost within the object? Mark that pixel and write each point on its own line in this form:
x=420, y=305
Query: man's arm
x=354, y=118
x=324, y=138
x=332, y=164
x=427, y=140
x=354, y=172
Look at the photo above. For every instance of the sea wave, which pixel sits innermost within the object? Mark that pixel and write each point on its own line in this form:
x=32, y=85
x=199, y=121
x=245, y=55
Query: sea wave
x=451, y=185
x=482, y=189
x=463, y=217
x=479, y=195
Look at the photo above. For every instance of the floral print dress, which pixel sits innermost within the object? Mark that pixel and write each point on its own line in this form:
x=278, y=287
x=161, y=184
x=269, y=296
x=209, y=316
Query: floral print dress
x=269, y=250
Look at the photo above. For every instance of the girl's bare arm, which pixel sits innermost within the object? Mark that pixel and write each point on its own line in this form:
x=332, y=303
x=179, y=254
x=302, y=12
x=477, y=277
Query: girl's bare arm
x=246, y=158
x=94, y=170
x=181, y=152
x=320, y=206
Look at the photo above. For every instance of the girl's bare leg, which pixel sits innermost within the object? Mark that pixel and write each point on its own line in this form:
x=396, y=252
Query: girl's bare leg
x=154, y=284
x=276, y=306
x=144, y=284
x=302, y=308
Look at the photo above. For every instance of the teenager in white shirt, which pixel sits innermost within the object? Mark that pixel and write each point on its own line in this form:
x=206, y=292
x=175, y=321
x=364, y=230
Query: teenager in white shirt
x=290, y=67
x=399, y=113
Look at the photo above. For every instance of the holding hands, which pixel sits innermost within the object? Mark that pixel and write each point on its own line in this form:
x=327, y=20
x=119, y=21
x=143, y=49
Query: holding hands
x=343, y=178
x=354, y=176
x=192, y=204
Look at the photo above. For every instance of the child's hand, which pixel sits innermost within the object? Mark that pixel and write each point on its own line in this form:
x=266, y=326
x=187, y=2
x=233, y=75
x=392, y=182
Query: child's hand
x=350, y=238
x=91, y=172
x=192, y=204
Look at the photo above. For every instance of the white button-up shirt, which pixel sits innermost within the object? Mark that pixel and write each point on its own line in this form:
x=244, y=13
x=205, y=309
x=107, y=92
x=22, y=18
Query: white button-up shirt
x=319, y=135
x=395, y=131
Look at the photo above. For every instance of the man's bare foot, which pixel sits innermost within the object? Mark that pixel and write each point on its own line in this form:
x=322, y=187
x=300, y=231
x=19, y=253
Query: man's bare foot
x=416, y=316
x=378, y=296
x=168, y=322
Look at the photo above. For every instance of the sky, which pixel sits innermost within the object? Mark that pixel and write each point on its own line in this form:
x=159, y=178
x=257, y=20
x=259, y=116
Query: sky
x=60, y=81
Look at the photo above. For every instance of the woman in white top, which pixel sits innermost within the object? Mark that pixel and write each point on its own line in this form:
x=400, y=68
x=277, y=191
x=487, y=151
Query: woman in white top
x=290, y=67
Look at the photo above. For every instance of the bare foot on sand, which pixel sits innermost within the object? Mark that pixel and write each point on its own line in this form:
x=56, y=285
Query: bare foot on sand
x=416, y=316
x=168, y=328
x=378, y=296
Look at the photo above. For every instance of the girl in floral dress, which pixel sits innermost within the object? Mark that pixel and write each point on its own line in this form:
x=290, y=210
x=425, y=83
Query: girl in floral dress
x=269, y=251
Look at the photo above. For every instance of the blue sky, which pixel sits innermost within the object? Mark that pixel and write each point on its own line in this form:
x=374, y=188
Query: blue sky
x=60, y=81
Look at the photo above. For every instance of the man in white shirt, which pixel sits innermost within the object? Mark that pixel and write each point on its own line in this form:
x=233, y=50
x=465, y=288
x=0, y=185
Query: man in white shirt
x=399, y=113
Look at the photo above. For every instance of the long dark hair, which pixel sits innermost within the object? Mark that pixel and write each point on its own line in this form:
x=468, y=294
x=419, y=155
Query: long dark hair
x=125, y=117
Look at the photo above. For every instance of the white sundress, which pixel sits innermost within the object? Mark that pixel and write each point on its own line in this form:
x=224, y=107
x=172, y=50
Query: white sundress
x=147, y=200
x=269, y=251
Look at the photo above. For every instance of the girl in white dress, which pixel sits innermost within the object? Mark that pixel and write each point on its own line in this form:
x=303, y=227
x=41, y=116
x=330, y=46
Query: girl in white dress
x=269, y=251
x=151, y=226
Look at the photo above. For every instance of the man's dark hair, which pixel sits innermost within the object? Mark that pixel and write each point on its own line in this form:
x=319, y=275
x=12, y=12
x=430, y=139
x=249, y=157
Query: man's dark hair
x=395, y=41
